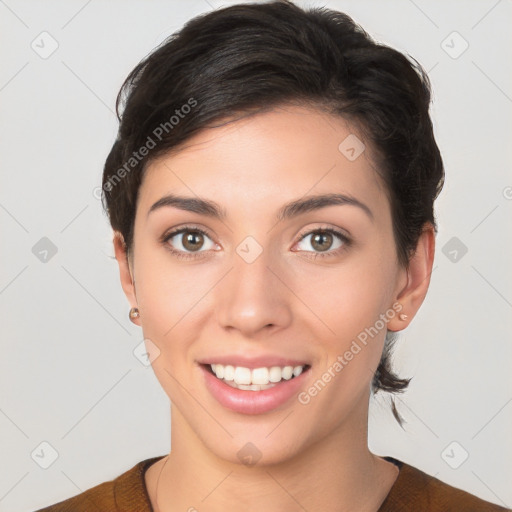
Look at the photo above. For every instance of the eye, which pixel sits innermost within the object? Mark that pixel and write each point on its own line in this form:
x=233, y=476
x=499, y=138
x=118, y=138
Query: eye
x=186, y=241
x=326, y=242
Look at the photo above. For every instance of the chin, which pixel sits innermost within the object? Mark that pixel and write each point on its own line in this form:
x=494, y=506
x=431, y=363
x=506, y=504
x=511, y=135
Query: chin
x=256, y=452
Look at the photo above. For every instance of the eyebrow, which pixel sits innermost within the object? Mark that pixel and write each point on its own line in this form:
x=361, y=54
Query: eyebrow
x=289, y=210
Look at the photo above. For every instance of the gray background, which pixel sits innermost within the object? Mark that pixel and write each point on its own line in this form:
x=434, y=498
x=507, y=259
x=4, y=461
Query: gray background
x=68, y=376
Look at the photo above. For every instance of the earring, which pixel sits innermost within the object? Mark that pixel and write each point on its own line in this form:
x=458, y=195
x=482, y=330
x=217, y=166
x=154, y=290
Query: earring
x=403, y=317
x=134, y=313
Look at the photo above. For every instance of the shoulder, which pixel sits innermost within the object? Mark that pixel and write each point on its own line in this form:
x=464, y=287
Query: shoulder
x=125, y=492
x=418, y=491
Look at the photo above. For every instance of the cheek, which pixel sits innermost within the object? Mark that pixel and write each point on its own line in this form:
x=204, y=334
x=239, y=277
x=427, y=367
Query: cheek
x=350, y=298
x=174, y=299
x=352, y=306
x=167, y=291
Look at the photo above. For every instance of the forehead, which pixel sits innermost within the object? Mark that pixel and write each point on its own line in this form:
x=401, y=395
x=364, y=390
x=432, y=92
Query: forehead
x=266, y=159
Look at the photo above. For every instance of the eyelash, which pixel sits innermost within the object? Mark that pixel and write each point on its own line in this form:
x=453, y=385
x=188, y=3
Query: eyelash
x=327, y=254
x=180, y=254
x=330, y=253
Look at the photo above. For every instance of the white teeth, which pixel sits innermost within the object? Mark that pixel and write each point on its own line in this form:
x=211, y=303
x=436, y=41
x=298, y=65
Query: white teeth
x=250, y=387
x=219, y=371
x=275, y=374
x=229, y=372
x=259, y=376
x=297, y=370
x=256, y=379
x=242, y=375
x=287, y=372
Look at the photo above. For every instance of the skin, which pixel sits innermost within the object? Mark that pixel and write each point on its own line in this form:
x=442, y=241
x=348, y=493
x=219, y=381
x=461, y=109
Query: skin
x=313, y=456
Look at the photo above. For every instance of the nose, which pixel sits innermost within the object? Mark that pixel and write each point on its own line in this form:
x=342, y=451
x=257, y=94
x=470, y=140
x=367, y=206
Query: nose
x=252, y=298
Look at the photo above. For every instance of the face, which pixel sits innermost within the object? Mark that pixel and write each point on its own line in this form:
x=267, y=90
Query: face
x=249, y=274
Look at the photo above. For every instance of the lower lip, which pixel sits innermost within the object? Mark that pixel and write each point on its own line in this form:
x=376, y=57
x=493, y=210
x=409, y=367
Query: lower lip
x=252, y=402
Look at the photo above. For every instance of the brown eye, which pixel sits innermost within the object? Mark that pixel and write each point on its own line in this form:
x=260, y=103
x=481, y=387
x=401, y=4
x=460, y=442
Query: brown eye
x=321, y=241
x=192, y=241
x=188, y=241
x=324, y=242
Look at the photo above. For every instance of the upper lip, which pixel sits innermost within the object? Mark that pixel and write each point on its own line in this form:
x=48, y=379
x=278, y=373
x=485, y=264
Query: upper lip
x=263, y=361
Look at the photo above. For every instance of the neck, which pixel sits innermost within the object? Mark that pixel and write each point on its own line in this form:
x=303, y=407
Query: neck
x=337, y=472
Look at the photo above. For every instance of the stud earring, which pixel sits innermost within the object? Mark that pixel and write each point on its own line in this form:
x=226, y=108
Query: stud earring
x=134, y=313
x=403, y=317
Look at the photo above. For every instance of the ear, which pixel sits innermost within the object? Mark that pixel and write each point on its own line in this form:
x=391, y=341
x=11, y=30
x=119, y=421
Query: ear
x=125, y=272
x=418, y=273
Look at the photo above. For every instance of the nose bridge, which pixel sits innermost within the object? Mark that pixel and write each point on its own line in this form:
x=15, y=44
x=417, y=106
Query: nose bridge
x=251, y=297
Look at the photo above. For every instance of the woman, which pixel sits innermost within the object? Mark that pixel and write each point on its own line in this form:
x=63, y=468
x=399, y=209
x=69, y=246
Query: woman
x=271, y=194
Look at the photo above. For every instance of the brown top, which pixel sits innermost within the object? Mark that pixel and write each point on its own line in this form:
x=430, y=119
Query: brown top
x=413, y=491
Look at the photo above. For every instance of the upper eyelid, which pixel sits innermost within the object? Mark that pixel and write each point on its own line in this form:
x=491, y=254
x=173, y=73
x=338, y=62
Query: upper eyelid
x=178, y=231
x=336, y=231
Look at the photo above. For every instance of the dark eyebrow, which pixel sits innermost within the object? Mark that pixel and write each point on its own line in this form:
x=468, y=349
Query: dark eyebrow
x=191, y=204
x=289, y=210
x=307, y=204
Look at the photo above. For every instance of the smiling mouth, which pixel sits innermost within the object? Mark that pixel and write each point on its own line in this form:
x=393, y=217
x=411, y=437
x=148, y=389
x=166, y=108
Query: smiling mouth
x=256, y=379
